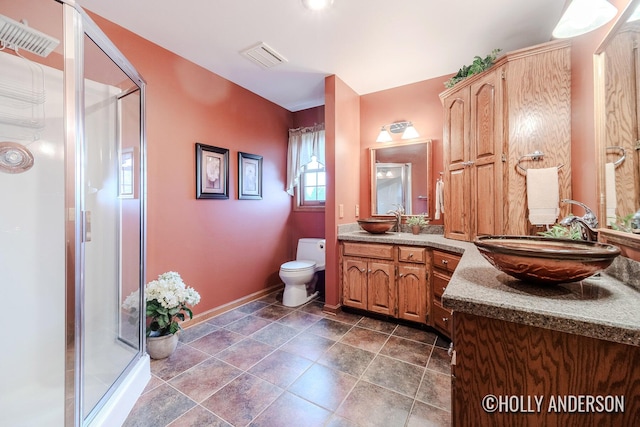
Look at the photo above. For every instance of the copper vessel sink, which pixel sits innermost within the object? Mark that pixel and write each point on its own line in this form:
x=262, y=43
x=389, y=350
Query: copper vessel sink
x=546, y=260
x=377, y=225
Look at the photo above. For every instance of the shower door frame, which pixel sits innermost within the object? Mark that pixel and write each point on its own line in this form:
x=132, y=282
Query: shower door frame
x=77, y=24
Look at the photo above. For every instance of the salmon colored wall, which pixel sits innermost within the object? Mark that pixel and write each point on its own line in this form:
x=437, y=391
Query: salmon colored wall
x=583, y=148
x=226, y=249
x=418, y=103
x=305, y=223
x=342, y=124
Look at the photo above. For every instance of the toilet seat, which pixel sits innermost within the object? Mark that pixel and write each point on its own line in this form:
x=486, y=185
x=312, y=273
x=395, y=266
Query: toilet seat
x=298, y=266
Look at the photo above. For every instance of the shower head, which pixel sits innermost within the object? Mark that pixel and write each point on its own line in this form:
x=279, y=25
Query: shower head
x=14, y=35
x=14, y=157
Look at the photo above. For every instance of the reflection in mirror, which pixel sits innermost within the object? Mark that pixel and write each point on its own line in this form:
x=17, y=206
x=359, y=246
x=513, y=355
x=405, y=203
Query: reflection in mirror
x=617, y=118
x=393, y=184
x=400, y=175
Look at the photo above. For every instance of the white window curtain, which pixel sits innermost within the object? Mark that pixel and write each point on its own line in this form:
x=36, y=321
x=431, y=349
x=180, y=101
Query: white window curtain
x=304, y=143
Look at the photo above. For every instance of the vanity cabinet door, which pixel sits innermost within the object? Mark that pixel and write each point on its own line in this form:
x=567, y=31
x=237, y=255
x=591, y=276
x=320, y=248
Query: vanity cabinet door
x=381, y=288
x=486, y=147
x=354, y=283
x=456, y=154
x=412, y=293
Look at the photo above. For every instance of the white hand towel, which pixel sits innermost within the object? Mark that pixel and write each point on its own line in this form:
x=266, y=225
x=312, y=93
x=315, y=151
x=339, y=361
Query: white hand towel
x=543, y=195
x=439, y=199
x=610, y=192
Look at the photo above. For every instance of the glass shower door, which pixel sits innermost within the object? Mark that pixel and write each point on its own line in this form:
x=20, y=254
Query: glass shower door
x=112, y=211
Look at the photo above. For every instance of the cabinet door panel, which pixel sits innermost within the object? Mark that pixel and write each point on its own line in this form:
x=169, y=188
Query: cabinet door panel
x=354, y=283
x=412, y=293
x=486, y=211
x=484, y=118
x=381, y=288
x=457, y=129
x=486, y=148
x=455, y=156
x=456, y=216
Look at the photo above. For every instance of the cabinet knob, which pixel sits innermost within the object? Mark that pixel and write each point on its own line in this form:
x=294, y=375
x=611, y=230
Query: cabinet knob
x=444, y=288
x=445, y=319
x=411, y=255
x=445, y=262
x=363, y=270
x=401, y=275
x=369, y=271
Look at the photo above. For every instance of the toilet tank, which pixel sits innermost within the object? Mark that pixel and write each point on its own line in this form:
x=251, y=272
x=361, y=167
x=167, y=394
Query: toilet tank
x=312, y=250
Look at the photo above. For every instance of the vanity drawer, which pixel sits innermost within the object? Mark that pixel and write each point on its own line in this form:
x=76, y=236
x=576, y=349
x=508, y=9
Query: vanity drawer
x=445, y=261
x=412, y=254
x=368, y=250
x=442, y=318
x=438, y=282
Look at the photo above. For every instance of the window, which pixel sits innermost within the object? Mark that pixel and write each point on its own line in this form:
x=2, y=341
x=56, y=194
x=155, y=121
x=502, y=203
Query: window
x=311, y=192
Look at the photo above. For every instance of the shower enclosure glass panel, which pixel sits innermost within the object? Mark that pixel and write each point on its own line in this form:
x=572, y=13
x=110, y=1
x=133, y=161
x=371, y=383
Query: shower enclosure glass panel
x=112, y=209
x=71, y=222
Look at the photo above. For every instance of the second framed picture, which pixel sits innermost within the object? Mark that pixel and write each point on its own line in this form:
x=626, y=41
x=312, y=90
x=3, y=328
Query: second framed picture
x=249, y=176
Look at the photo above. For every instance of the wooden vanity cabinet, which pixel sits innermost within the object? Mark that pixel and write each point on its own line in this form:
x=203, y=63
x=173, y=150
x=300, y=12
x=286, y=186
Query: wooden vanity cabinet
x=385, y=279
x=491, y=120
x=500, y=358
x=444, y=264
x=369, y=277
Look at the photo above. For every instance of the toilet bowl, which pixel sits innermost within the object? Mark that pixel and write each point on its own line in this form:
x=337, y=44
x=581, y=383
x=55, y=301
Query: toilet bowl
x=300, y=276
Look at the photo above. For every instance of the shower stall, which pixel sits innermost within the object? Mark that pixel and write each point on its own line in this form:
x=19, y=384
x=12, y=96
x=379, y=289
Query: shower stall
x=72, y=220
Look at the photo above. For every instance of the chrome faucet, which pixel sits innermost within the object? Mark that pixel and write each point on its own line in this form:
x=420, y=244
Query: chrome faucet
x=398, y=212
x=588, y=223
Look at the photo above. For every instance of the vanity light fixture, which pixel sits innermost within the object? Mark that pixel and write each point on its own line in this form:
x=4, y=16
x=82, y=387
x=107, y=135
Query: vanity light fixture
x=384, y=135
x=406, y=128
x=317, y=4
x=583, y=16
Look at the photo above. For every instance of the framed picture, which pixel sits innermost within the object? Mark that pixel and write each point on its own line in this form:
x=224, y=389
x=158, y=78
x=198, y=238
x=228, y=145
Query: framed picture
x=212, y=172
x=249, y=176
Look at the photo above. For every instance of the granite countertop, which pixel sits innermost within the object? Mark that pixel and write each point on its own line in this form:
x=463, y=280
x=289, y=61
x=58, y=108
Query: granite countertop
x=601, y=307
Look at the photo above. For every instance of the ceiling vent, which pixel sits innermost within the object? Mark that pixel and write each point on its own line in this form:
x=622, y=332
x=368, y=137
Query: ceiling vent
x=264, y=56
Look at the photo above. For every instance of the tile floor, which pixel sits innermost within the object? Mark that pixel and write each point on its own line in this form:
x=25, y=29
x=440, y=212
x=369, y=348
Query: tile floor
x=264, y=364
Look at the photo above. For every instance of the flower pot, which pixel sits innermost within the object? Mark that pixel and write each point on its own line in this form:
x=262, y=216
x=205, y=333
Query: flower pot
x=162, y=347
x=415, y=229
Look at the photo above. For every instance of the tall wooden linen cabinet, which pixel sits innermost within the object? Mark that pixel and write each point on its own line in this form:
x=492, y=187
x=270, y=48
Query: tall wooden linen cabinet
x=494, y=122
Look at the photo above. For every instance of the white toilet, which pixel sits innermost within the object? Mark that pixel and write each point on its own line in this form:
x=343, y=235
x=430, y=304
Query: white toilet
x=300, y=276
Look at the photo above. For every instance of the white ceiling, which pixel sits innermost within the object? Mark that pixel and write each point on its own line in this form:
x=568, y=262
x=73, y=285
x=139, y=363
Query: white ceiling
x=371, y=45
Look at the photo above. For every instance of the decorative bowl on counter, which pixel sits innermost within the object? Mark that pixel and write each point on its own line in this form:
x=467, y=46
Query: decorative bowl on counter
x=545, y=260
x=376, y=225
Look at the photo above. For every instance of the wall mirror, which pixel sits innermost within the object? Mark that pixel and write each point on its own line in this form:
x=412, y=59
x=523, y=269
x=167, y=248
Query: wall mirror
x=400, y=175
x=617, y=108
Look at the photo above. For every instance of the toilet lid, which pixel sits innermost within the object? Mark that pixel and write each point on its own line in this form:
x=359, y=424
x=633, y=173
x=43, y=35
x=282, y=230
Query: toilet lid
x=297, y=265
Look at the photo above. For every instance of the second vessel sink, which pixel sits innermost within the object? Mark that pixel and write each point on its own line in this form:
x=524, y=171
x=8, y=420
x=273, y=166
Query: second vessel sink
x=546, y=260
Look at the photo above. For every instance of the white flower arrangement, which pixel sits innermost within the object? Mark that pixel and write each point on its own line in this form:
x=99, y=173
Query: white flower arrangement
x=167, y=300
